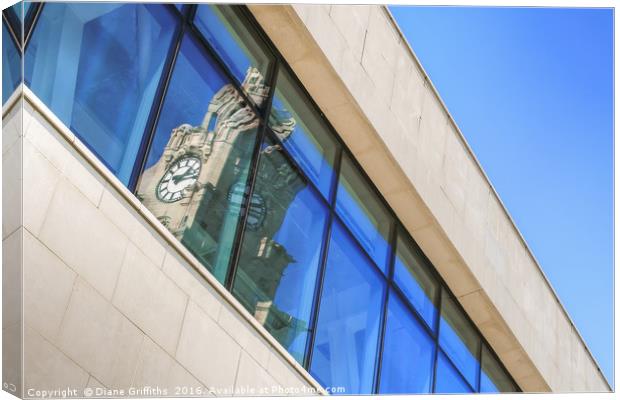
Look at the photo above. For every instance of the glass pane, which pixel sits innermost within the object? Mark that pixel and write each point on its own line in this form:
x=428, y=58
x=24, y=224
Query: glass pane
x=493, y=378
x=27, y=6
x=364, y=213
x=304, y=134
x=11, y=65
x=243, y=52
x=196, y=171
x=17, y=9
x=345, y=346
x=281, y=250
x=408, y=352
x=448, y=379
x=413, y=276
x=97, y=67
x=459, y=339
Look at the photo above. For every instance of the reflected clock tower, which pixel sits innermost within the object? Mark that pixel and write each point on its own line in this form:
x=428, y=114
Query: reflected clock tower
x=198, y=185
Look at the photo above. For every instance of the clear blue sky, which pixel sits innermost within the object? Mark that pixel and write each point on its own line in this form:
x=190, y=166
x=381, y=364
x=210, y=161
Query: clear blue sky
x=532, y=91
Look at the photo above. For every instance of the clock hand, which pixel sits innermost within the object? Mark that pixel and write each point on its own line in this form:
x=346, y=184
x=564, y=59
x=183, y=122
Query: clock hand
x=187, y=175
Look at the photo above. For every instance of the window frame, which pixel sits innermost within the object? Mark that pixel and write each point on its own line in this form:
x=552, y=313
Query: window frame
x=186, y=26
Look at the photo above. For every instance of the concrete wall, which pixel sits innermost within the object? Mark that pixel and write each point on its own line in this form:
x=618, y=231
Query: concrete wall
x=110, y=299
x=361, y=72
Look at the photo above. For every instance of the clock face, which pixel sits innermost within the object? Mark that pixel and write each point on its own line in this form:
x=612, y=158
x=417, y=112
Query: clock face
x=181, y=174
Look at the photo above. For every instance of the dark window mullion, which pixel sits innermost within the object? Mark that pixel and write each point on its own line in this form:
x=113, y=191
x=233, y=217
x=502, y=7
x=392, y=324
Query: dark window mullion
x=252, y=173
x=318, y=292
x=30, y=20
x=403, y=298
x=201, y=41
x=190, y=12
x=479, y=377
x=245, y=208
x=383, y=323
x=437, y=326
x=156, y=108
x=458, y=371
x=9, y=27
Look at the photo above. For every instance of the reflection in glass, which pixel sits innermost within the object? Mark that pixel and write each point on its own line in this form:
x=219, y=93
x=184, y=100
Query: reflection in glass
x=364, y=213
x=22, y=12
x=97, y=67
x=197, y=167
x=459, y=339
x=237, y=45
x=345, y=346
x=493, y=379
x=408, y=352
x=311, y=144
x=448, y=379
x=413, y=276
x=11, y=64
x=281, y=248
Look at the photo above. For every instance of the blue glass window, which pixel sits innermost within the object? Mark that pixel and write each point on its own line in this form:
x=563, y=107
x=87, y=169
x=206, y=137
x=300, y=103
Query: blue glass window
x=11, y=64
x=448, y=379
x=17, y=8
x=345, y=345
x=364, y=213
x=408, y=352
x=281, y=248
x=493, y=379
x=97, y=67
x=303, y=132
x=459, y=339
x=197, y=168
x=413, y=276
x=239, y=46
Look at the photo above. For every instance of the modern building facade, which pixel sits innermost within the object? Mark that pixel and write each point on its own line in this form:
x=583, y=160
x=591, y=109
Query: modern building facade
x=264, y=199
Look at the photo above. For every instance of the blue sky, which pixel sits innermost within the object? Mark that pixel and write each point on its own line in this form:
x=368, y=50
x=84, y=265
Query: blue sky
x=532, y=91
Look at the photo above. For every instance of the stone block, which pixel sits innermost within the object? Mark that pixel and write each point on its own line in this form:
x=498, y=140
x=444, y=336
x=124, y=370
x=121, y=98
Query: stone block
x=150, y=299
x=47, y=287
x=48, y=368
x=12, y=273
x=325, y=33
x=78, y=233
x=45, y=138
x=148, y=241
x=285, y=374
x=94, y=384
x=253, y=380
x=408, y=94
x=84, y=177
x=12, y=128
x=207, y=351
x=99, y=338
x=12, y=170
x=12, y=359
x=158, y=370
x=379, y=54
x=285, y=27
x=352, y=21
x=40, y=179
x=456, y=164
x=117, y=210
x=244, y=333
x=193, y=284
